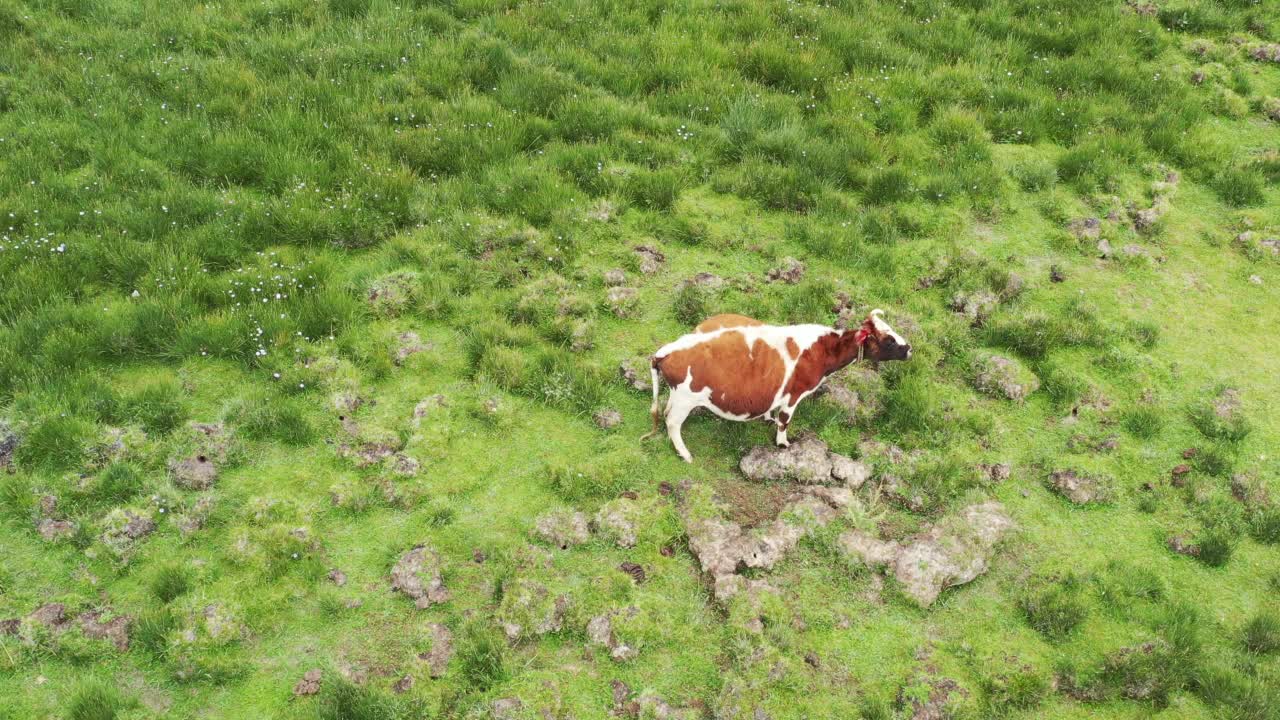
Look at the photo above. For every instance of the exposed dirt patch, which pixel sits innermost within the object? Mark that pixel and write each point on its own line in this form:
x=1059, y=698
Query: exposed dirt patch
x=418, y=575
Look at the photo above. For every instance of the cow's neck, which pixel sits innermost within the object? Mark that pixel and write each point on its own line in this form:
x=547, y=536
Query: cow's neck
x=838, y=350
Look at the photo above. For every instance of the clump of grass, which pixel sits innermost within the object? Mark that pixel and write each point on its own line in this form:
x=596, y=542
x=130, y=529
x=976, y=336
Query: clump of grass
x=118, y=483
x=1035, y=174
x=481, y=657
x=908, y=404
x=1144, y=421
x=690, y=306
x=1214, y=461
x=1229, y=426
x=1239, y=186
x=1216, y=547
x=55, y=444
x=655, y=189
x=95, y=701
x=1264, y=525
x=267, y=417
x=158, y=407
x=1262, y=633
x=341, y=699
x=1120, y=584
x=152, y=628
x=169, y=582
x=1055, y=612
x=1021, y=689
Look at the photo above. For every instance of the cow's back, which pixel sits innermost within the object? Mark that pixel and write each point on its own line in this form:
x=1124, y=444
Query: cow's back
x=726, y=320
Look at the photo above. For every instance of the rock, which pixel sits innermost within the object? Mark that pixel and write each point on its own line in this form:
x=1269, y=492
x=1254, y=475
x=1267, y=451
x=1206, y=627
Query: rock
x=652, y=706
x=651, y=259
x=437, y=658
x=951, y=553
x=507, y=708
x=930, y=698
x=403, y=465
x=635, y=570
x=975, y=306
x=600, y=633
x=1182, y=545
x=1104, y=249
x=50, y=615
x=1267, y=52
x=622, y=300
x=635, y=378
x=194, y=473
x=403, y=685
x=53, y=530
x=852, y=473
x=807, y=461
x=1079, y=488
x=616, y=521
x=337, y=577
x=530, y=610
x=195, y=518
x=998, y=473
x=116, y=629
x=1178, y=475
x=868, y=549
x=1056, y=274
x=1003, y=377
x=309, y=684
x=562, y=528
x=791, y=271
x=1250, y=490
x=722, y=547
x=1087, y=228
x=426, y=406
x=607, y=418
x=10, y=626
x=8, y=444
x=394, y=293
x=418, y=575
x=615, y=278
x=408, y=343
x=706, y=280
x=1255, y=279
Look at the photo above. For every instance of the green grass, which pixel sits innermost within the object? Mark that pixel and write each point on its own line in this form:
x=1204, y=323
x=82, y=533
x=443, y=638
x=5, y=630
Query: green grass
x=236, y=215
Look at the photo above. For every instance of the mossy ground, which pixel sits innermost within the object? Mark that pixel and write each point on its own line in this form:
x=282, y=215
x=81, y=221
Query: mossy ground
x=230, y=213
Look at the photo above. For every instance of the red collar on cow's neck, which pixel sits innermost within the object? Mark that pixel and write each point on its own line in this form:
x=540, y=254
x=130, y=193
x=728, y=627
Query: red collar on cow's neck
x=861, y=336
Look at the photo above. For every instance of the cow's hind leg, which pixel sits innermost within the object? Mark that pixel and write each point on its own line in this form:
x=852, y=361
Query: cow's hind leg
x=679, y=405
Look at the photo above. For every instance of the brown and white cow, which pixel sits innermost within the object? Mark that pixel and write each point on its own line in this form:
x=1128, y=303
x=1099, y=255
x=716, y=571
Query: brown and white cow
x=742, y=369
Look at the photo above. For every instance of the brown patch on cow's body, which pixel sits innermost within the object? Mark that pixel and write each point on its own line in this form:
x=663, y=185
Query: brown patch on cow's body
x=792, y=348
x=828, y=354
x=727, y=320
x=743, y=381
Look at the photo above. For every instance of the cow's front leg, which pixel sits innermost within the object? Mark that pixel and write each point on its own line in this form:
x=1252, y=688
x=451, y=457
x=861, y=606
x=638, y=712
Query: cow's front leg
x=784, y=419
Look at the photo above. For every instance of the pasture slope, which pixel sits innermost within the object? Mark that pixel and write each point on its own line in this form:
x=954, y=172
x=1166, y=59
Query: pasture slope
x=289, y=288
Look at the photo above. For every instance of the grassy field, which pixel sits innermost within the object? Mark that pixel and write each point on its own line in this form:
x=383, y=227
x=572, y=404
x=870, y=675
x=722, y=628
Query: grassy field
x=291, y=287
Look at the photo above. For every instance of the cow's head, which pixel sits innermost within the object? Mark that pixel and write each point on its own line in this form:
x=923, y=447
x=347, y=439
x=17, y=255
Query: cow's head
x=881, y=342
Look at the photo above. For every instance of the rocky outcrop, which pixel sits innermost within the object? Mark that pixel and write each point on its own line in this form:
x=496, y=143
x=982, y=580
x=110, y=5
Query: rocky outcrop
x=418, y=575
x=1079, y=487
x=562, y=528
x=807, y=461
x=953, y=552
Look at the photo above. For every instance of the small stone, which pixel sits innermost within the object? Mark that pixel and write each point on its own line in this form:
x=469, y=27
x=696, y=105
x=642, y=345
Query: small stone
x=622, y=300
x=196, y=472
x=634, y=570
x=53, y=530
x=651, y=259
x=607, y=419
x=791, y=271
x=309, y=684
x=337, y=577
x=1104, y=249
x=1256, y=280
x=403, y=685
x=615, y=278
x=1080, y=488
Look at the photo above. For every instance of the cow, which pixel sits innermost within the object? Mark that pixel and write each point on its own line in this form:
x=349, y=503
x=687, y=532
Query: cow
x=742, y=369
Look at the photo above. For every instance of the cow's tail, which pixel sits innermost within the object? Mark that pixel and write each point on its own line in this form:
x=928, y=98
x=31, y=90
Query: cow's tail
x=653, y=409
